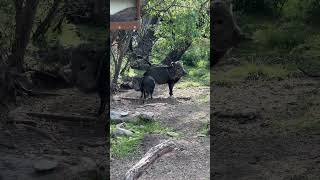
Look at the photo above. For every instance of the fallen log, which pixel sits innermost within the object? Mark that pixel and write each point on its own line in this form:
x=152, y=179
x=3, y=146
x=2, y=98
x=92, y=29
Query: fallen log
x=149, y=158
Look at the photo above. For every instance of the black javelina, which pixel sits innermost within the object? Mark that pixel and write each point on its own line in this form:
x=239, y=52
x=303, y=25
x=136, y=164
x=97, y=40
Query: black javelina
x=147, y=86
x=167, y=74
x=144, y=84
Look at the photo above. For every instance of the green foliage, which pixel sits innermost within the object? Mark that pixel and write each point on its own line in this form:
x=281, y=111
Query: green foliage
x=181, y=21
x=285, y=37
x=198, y=75
x=261, y=7
x=252, y=71
x=7, y=13
x=303, y=10
x=198, y=53
x=124, y=146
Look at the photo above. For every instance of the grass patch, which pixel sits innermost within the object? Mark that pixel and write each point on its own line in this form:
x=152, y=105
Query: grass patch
x=197, y=76
x=205, y=129
x=123, y=146
x=252, y=71
x=203, y=98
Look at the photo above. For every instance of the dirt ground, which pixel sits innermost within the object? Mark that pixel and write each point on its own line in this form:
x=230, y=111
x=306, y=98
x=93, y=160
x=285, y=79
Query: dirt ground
x=186, y=113
x=261, y=130
x=266, y=130
x=78, y=147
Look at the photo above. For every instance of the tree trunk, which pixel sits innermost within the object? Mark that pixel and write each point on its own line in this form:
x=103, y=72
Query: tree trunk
x=24, y=21
x=176, y=54
x=123, y=40
x=98, y=11
x=145, y=43
x=45, y=24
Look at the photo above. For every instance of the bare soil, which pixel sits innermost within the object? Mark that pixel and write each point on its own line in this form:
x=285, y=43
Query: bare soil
x=80, y=147
x=187, y=113
x=281, y=138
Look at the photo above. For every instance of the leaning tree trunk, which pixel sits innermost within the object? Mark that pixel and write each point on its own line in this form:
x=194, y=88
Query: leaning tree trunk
x=24, y=21
x=45, y=24
x=144, y=43
x=176, y=54
x=122, y=39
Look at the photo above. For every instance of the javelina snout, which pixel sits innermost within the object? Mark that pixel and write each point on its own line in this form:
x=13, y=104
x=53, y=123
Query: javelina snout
x=179, y=70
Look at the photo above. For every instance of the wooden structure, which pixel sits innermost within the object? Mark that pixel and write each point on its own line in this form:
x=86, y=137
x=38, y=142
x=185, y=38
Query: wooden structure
x=125, y=14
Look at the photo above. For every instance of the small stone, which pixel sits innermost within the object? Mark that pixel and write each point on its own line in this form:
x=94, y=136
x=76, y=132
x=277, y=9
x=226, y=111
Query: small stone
x=148, y=116
x=121, y=125
x=172, y=134
x=201, y=135
x=122, y=132
x=45, y=165
x=123, y=114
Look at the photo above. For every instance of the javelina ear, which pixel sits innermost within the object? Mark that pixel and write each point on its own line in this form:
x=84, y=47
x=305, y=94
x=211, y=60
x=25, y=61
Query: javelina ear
x=172, y=64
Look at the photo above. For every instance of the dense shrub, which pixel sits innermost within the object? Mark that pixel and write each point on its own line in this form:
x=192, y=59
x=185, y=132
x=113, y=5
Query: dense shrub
x=261, y=7
x=312, y=10
x=303, y=10
x=285, y=37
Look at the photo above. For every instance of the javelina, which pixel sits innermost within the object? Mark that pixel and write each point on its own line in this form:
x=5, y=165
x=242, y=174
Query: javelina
x=147, y=86
x=167, y=74
x=89, y=71
x=144, y=84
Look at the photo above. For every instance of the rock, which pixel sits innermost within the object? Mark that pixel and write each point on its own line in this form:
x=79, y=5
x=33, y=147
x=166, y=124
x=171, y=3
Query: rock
x=123, y=114
x=45, y=165
x=147, y=116
x=172, y=134
x=201, y=135
x=122, y=132
x=115, y=115
x=121, y=125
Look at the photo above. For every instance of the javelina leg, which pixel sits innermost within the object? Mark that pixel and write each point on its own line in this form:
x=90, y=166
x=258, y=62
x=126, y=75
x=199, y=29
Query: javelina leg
x=170, y=88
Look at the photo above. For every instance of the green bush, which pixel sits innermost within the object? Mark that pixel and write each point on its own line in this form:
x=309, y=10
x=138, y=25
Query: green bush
x=312, y=11
x=285, y=37
x=261, y=7
x=303, y=10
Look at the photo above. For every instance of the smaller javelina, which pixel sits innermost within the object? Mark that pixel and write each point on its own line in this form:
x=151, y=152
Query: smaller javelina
x=145, y=84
